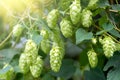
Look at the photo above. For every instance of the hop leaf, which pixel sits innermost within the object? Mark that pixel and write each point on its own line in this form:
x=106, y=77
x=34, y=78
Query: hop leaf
x=92, y=57
x=17, y=30
x=75, y=10
x=36, y=68
x=56, y=56
x=23, y=63
x=45, y=34
x=86, y=18
x=66, y=28
x=108, y=46
x=52, y=18
x=45, y=46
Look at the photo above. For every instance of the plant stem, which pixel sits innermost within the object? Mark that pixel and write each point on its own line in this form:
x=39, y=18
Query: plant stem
x=6, y=39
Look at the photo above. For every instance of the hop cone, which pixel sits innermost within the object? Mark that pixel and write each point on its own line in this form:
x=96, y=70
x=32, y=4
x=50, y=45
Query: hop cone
x=17, y=30
x=108, y=47
x=86, y=18
x=75, y=10
x=52, y=18
x=92, y=4
x=66, y=28
x=31, y=51
x=92, y=57
x=45, y=46
x=56, y=56
x=36, y=68
x=45, y=34
x=23, y=63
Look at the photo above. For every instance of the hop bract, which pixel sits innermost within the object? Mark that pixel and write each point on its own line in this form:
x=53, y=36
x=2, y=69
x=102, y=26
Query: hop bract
x=86, y=18
x=66, y=28
x=108, y=47
x=92, y=4
x=52, y=18
x=44, y=33
x=92, y=57
x=75, y=10
x=17, y=30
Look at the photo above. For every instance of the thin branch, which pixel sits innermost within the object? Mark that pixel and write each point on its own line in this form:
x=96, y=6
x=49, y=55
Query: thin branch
x=6, y=39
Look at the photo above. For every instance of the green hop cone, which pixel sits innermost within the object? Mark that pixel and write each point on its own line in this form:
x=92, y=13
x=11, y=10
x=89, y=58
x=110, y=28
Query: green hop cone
x=52, y=18
x=56, y=56
x=37, y=67
x=94, y=40
x=23, y=63
x=9, y=74
x=108, y=46
x=92, y=4
x=31, y=51
x=66, y=28
x=17, y=30
x=92, y=57
x=75, y=10
x=45, y=46
x=44, y=33
x=86, y=18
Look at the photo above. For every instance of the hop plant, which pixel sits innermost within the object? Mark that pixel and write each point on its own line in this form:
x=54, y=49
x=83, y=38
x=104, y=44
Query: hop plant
x=66, y=28
x=86, y=18
x=36, y=68
x=52, y=18
x=56, y=56
x=75, y=10
x=45, y=46
x=108, y=46
x=92, y=4
x=92, y=57
x=23, y=63
x=45, y=34
x=31, y=51
x=17, y=30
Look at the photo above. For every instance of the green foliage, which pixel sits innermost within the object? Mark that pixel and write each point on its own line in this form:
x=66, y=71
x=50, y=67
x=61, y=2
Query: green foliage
x=61, y=40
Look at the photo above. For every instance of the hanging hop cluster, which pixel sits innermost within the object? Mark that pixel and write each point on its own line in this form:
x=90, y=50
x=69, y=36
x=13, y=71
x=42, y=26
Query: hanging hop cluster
x=75, y=10
x=45, y=46
x=108, y=46
x=56, y=56
x=66, y=28
x=92, y=57
x=8, y=75
x=52, y=18
x=92, y=4
x=29, y=58
x=86, y=18
x=17, y=30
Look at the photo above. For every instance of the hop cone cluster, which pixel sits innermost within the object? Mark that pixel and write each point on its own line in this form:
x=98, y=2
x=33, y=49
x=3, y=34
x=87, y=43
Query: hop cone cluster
x=66, y=28
x=86, y=18
x=75, y=10
x=52, y=18
x=92, y=57
x=17, y=30
x=108, y=47
x=36, y=68
x=56, y=56
x=29, y=60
